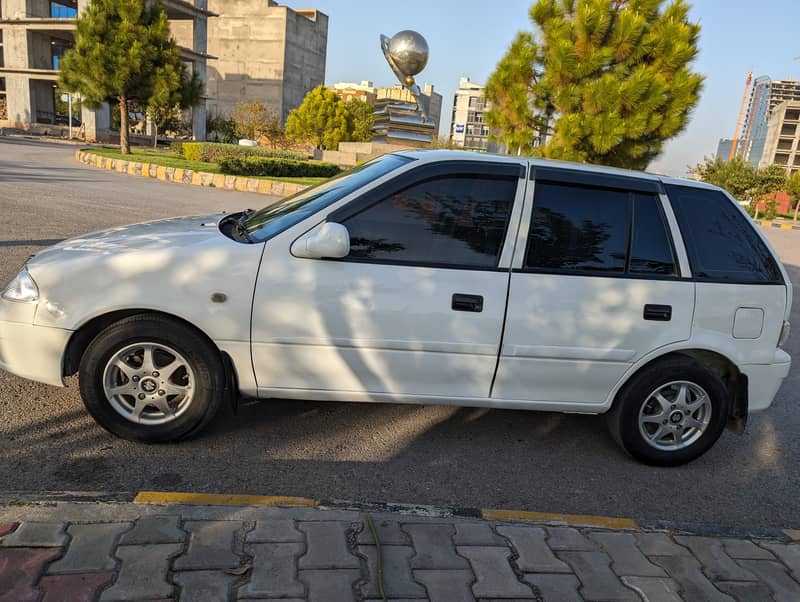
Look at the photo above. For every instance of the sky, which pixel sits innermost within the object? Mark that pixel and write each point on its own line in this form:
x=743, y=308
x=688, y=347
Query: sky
x=468, y=37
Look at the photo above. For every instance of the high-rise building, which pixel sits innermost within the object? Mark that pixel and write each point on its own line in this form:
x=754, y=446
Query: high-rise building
x=724, y=149
x=34, y=34
x=782, y=145
x=765, y=96
x=468, y=125
x=261, y=50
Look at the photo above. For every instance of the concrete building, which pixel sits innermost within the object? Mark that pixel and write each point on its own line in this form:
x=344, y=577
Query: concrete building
x=262, y=51
x=34, y=34
x=468, y=125
x=367, y=91
x=765, y=96
x=724, y=149
x=782, y=144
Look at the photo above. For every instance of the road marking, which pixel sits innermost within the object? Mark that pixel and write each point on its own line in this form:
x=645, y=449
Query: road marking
x=219, y=499
x=606, y=522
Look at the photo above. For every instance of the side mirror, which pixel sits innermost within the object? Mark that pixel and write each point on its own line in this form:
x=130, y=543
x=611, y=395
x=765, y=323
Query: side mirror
x=326, y=240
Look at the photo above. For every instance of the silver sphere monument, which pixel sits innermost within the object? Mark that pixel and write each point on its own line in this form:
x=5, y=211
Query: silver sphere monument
x=407, y=53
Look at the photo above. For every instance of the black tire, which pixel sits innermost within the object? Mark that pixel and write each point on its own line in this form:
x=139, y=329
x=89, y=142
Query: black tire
x=200, y=354
x=623, y=419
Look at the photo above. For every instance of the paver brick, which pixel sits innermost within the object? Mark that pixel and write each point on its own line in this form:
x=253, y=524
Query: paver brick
x=327, y=546
x=495, y=579
x=210, y=546
x=717, y=565
x=626, y=559
x=154, y=529
x=434, y=547
x=447, y=586
x=784, y=588
x=534, y=554
x=74, y=588
x=654, y=589
x=330, y=585
x=567, y=538
x=90, y=549
x=397, y=579
x=274, y=573
x=204, y=586
x=556, y=588
x=477, y=534
x=389, y=534
x=789, y=555
x=745, y=591
x=745, y=549
x=693, y=583
x=20, y=569
x=659, y=544
x=275, y=531
x=143, y=573
x=599, y=581
x=7, y=528
x=36, y=535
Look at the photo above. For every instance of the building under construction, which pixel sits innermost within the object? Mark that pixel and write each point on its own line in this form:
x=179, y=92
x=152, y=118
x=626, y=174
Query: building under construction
x=766, y=95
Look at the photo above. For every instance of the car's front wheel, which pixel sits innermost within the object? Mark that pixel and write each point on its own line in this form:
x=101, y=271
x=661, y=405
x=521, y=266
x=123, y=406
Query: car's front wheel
x=152, y=378
x=670, y=413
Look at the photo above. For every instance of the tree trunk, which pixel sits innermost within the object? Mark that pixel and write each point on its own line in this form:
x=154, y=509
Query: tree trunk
x=155, y=135
x=796, y=210
x=124, y=141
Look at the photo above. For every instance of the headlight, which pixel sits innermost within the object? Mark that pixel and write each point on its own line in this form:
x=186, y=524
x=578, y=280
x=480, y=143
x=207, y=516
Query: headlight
x=22, y=289
x=784, y=333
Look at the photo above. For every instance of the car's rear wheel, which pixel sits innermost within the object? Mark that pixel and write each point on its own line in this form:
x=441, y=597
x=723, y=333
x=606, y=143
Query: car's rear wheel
x=670, y=413
x=152, y=378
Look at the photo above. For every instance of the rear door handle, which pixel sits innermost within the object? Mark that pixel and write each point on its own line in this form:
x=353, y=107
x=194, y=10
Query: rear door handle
x=658, y=313
x=473, y=303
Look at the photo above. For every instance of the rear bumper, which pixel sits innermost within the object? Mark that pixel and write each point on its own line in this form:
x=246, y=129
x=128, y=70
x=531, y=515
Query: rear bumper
x=33, y=352
x=764, y=380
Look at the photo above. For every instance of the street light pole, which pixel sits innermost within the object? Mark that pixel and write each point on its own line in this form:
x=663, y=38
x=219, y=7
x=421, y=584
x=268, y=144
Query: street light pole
x=69, y=103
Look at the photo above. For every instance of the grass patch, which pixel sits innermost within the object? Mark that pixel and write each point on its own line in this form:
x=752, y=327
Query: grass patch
x=170, y=159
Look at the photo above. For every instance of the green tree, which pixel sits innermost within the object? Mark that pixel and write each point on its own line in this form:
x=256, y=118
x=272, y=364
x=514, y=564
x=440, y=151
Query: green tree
x=739, y=177
x=362, y=118
x=256, y=121
x=122, y=48
x=793, y=188
x=173, y=90
x=602, y=81
x=322, y=120
x=769, y=182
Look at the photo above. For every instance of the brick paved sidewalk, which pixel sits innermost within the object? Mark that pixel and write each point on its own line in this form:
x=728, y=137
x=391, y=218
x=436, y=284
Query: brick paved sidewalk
x=119, y=551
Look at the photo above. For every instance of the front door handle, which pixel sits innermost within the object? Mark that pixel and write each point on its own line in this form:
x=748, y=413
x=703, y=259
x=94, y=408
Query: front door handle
x=473, y=303
x=658, y=313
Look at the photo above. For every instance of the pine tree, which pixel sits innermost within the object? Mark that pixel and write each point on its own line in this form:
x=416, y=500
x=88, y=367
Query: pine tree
x=322, y=120
x=603, y=81
x=123, y=52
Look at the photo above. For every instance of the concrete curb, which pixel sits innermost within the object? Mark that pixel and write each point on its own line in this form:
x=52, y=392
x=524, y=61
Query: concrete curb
x=187, y=176
x=774, y=224
x=171, y=498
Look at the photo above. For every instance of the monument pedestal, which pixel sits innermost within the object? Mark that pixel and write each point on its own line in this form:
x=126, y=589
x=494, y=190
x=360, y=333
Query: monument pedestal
x=351, y=154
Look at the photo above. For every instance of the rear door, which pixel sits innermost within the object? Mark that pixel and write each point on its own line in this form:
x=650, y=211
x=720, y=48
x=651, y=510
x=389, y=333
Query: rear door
x=595, y=286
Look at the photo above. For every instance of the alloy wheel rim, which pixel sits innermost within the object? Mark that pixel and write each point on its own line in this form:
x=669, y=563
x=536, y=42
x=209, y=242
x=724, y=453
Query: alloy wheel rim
x=675, y=415
x=149, y=383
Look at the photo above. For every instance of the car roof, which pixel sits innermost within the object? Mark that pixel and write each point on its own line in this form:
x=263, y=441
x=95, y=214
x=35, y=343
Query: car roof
x=459, y=155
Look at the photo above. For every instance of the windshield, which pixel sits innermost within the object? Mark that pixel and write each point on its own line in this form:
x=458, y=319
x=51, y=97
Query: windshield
x=273, y=219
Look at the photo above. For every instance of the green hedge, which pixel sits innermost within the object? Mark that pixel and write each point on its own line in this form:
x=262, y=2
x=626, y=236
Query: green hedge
x=277, y=168
x=213, y=152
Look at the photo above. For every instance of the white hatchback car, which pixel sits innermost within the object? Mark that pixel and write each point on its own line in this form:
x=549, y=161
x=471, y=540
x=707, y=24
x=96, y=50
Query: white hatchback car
x=426, y=277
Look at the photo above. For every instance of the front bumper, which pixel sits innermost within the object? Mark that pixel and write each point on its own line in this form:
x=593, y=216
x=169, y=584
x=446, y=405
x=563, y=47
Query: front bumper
x=764, y=380
x=33, y=352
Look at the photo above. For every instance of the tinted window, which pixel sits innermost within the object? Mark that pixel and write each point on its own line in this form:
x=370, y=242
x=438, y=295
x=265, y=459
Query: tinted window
x=459, y=221
x=578, y=228
x=721, y=242
x=651, y=251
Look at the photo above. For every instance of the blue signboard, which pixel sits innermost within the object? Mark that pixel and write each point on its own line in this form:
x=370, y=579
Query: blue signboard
x=459, y=128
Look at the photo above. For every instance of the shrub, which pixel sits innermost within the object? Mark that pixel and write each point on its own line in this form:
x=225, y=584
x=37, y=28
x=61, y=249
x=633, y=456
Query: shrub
x=279, y=168
x=213, y=152
x=176, y=147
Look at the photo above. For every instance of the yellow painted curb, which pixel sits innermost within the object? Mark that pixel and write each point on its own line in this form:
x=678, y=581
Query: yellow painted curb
x=218, y=180
x=161, y=172
x=606, y=522
x=177, y=175
x=793, y=534
x=786, y=227
x=197, y=179
x=766, y=224
x=240, y=184
x=219, y=499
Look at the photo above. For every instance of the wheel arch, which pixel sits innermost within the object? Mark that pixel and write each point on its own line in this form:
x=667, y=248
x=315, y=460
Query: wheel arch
x=717, y=363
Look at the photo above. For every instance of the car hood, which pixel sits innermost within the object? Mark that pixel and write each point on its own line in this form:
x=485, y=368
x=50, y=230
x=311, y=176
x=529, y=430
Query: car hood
x=162, y=235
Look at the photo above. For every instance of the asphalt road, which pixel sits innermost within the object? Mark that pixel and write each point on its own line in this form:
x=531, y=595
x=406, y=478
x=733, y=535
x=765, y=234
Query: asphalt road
x=410, y=454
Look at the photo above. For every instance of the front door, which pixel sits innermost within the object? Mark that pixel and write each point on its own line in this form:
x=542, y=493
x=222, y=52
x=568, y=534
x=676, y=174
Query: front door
x=417, y=307
x=596, y=287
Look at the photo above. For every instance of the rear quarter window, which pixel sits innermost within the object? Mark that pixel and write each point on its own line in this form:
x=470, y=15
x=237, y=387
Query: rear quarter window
x=721, y=242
